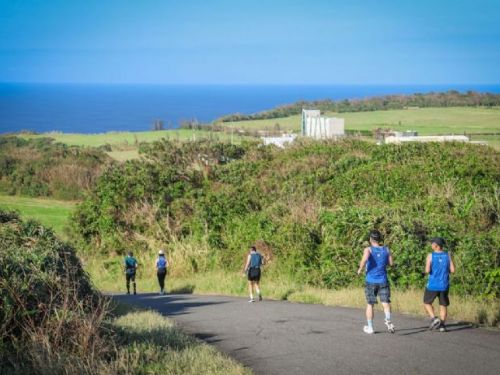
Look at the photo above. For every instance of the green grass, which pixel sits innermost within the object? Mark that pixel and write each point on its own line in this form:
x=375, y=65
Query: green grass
x=151, y=344
x=125, y=139
x=426, y=121
x=51, y=213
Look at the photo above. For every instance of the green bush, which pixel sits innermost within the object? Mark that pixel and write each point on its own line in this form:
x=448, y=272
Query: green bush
x=49, y=311
x=312, y=204
x=42, y=168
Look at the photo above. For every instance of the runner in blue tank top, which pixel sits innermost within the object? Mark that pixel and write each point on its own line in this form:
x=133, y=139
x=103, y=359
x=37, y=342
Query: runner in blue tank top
x=161, y=264
x=376, y=258
x=438, y=266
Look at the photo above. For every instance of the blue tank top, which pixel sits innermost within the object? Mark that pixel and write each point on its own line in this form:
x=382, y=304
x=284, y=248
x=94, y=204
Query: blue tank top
x=439, y=278
x=376, y=265
x=161, y=263
x=255, y=260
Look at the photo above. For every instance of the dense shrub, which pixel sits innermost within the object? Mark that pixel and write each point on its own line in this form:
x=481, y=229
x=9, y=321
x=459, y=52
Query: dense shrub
x=312, y=203
x=40, y=167
x=49, y=312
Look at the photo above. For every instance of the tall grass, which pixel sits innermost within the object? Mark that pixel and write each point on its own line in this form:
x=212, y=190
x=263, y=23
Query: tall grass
x=151, y=344
x=53, y=321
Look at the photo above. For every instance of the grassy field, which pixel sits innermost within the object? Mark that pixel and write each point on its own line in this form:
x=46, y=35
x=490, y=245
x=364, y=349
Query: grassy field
x=146, y=335
x=49, y=212
x=426, y=121
x=124, y=139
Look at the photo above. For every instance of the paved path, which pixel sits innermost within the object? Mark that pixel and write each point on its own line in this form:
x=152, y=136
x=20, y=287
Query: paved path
x=274, y=337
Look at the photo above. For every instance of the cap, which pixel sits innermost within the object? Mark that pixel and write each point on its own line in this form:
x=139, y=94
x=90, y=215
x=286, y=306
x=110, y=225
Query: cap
x=161, y=252
x=438, y=241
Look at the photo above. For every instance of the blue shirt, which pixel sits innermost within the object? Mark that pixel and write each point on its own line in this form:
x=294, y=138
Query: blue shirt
x=376, y=265
x=439, y=277
x=161, y=263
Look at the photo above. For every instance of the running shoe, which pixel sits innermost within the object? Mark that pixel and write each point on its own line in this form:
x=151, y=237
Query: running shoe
x=390, y=326
x=442, y=327
x=260, y=298
x=251, y=300
x=435, y=322
x=369, y=330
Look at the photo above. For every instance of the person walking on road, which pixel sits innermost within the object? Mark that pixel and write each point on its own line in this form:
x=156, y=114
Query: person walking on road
x=252, y=270
x=438, y=266
x=376, y=258
x=130, y=266
x=161, y=265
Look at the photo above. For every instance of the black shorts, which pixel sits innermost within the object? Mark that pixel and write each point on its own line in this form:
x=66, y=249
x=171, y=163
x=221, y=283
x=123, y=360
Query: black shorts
x=130, y=276
x=254, y=274
x=430, y=296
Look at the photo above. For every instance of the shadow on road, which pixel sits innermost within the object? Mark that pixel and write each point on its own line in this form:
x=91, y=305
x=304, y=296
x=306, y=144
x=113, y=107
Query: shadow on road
x=170, y=304
x=459, y=326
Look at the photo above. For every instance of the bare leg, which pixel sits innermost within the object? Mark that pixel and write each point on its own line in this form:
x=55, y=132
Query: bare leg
x=369, y=312
x=387, y=309
x=443, y=313
x=250, y=289
x=430, y=310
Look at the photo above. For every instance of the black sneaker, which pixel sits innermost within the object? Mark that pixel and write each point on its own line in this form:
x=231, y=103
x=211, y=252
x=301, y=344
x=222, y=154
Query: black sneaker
x=260, y=298
x=128, y=293
x=442, y=327
x=435, y=322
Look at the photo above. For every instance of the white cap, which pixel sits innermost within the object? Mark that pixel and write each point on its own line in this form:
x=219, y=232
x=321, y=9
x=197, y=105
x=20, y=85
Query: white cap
x=161, y=252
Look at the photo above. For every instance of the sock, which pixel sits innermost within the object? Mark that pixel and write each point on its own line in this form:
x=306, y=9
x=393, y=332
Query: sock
x=370, y=323
x=258, y=291
x=387, y=315
x=251, y=295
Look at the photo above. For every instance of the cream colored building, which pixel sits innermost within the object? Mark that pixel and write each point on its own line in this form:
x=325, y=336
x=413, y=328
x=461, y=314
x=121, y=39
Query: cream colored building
x=318, y=127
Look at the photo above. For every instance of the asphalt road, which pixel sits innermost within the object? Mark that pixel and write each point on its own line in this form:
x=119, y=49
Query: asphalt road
x=274, y=337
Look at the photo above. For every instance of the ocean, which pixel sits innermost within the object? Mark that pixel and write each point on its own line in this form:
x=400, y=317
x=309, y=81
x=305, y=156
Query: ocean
x=76, y=108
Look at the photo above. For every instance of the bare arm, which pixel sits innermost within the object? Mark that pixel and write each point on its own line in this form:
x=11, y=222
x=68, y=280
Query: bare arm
x=428, y=262
x=364, y=259
x=247, y=263
x=391, y=260
x=452, y=265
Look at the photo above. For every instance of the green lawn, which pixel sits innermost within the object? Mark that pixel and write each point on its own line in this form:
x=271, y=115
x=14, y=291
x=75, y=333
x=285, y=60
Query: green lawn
x=49, y=212
x=426, y=121
x=127, y=139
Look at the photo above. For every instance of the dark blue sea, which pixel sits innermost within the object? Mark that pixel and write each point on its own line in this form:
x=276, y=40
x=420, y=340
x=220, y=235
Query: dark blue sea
x=102, y=108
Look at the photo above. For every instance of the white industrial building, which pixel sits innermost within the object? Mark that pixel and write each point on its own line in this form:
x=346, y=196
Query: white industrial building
x=279, y=141
x=318, y=127
x=429, y=138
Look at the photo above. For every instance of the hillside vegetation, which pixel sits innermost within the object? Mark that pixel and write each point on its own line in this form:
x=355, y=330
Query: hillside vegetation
x=52, y=320
x=450, y=98
x=308, y=208
x=42, y=168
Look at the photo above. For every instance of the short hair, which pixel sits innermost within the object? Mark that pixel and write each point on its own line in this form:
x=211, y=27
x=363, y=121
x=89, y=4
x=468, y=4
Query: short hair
x=130, y=253
x=375, y=235
x=253, y=248
x=439, y=241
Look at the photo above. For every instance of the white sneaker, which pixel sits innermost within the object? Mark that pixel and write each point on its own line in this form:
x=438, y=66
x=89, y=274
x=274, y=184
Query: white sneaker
x=390, y=326
x=368, y=329
x=435, y=322
x=251, y=300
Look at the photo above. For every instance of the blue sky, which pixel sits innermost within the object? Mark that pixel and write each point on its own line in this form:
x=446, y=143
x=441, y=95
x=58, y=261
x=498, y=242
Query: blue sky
x=250, y=41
